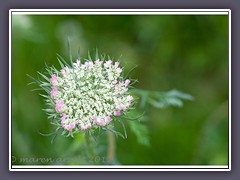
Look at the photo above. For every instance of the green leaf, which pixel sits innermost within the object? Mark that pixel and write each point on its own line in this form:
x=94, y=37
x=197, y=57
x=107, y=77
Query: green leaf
x=78, y=54
x=144, y=100
x=34, y=80
x=48, y=69
x=96, y=54
x=141, y=131
x=159, y=99
x=45, y=96
x=130, y=71
x=102, y=56
x=49, y=134
x=115, y=132
x=123, y=126
x=63, y=61
x=61, y=64
x=89, y=56
x=54, y=137
x=45, y=77
x=70, y=52
x=179, y=94
x=133, y=118
x=49, y=110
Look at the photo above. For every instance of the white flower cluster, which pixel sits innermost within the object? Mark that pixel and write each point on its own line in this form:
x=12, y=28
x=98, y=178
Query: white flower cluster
x=89, y=95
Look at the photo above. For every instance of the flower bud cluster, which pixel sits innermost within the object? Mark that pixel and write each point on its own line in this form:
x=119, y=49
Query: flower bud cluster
x=89, y=95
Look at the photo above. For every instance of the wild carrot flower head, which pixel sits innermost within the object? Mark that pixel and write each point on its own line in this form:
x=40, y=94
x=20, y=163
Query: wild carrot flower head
x=89, y=95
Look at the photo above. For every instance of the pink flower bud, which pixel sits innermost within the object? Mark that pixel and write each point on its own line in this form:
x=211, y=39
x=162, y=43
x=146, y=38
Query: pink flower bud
x=127, y=82
x=101, y=123
x=53, y=80
x=63, y=122
x=116, y=64
x=63, y=71
x=87, y=64
x=82, y=127
x=129, y=98
x=63, y=118
x=54, y=93
x=88, y=125
x=108, y=119
x=98, y=62
x=119, y=107
x=109, y=62
x=59, y=106
x=71, y=126
x=119, y=70
x=78, y=62
x=117, y=113
x=95, y=118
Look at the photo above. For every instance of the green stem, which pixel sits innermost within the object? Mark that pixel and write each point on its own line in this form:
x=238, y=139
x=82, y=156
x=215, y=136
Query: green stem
x=111, y=147
x=90, y=149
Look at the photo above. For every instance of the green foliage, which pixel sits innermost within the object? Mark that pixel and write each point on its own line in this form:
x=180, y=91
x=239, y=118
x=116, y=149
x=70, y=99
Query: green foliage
x=161, y=99
x=141, y=131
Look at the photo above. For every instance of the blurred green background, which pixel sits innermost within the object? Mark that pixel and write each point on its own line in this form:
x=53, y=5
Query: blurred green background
x=188, y=53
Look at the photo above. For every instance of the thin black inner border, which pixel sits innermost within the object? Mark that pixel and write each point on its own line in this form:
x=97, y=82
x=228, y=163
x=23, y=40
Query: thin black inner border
x=124, y=14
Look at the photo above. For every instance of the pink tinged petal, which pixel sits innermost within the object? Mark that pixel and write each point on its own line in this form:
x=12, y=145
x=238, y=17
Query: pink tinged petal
x=101, y=123
x=116, y=88
x=89, y=126
x=63, y=118
x=95, y=118
x=78, y=62
x=108, y=119
x=90, y=64
x=87, y=64
x=59, y=106
x=85, y=127
x=109, y=62
x=129, y=98
x=119, y=70
x=127, y=82
x=63, y=71
x=116, y=64
x=82, y=127
x=53, y=77
x=53, y=80
x=97, y=61
x=54, y=93
x=71, y=126
x=117, y=113
x=64, y=126
x=125, y=90
x=127, y=105
x=120, y=107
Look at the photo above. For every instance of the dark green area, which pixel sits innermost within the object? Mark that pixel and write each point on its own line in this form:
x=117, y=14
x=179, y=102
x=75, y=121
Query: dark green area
x=188, y=53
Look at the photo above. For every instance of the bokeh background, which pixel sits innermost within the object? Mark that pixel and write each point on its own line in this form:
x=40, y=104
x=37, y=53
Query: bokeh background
x=188, y=53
